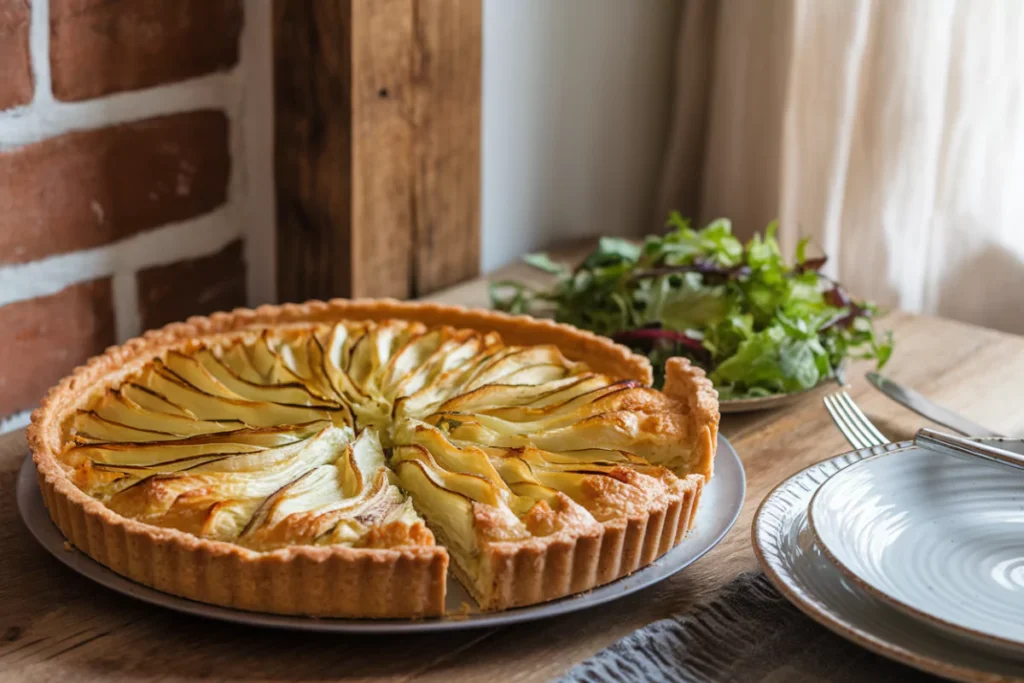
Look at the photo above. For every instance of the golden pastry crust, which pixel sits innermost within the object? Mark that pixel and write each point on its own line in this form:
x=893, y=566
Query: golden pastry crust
x=371, y=581
x=541, y=569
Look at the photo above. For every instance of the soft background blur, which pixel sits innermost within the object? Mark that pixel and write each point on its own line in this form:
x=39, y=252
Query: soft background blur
x=136, y=155
x=890, y=132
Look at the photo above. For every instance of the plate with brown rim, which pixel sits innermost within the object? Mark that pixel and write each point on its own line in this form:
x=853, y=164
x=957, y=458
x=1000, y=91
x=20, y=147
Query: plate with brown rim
x=792, y=561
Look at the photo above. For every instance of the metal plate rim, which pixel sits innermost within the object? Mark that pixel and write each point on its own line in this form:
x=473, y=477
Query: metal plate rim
x=729, y=473
x=750, y=405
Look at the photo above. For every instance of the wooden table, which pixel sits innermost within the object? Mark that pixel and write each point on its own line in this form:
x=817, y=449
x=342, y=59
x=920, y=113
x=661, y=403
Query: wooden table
x=56, y=626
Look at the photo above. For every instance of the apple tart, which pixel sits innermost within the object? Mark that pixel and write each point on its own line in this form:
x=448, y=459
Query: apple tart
x=333, y=458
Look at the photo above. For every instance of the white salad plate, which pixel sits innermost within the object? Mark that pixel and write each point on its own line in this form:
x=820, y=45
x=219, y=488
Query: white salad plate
x=721, y=502
x=939, y=537
x=795, y=564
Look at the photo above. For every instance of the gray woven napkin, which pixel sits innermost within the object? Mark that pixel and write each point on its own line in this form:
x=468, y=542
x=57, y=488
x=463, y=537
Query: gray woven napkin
x=747, y=633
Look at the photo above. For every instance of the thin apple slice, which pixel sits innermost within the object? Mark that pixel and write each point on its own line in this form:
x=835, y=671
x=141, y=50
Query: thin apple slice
x=518, y=476
x=89, y=427
x=572, y=403
x=465, y=429
x=448, y=511
x=185, y=500
x=441, y=389
x=116, y=407
x=290, y=364
x=149, y=455
x=457, y=351
x=318, y=379
x=185, y=464
x=604, y=456
x=491, y=396
x=153, y=401
x=361, y=462
x=274, y=458
x=237, y=359
x=261, y=357
x=224, y=519
x=545, y=422
x=265, y=509
x=590, y=382
x=311, y=509
x=291, y=353
x=334, y=361
x=295, y=393
x=472, y=486
x=190, y=371
x=479, y=375
x=415, y=354
x=229, y=443
x=536, y=374
x=364, y=359
x=204, y=406
x=303, y=356
x=548, y=360
x=463, y=460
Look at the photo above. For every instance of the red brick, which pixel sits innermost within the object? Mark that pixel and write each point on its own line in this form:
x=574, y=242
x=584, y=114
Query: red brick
x=90, y=188
x=15, y=62
x=104, y=46
x=196, y=287
x=44, y=339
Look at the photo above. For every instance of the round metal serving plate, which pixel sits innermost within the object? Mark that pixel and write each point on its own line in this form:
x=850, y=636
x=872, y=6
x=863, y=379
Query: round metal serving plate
x=720, y=505
x=785, y=548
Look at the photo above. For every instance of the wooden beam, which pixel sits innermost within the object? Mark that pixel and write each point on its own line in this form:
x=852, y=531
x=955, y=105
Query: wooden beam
x=447, y=147
x=377, y=138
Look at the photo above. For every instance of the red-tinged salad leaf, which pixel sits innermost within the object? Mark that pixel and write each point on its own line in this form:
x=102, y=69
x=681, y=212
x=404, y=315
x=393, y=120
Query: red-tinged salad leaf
x=758, y=325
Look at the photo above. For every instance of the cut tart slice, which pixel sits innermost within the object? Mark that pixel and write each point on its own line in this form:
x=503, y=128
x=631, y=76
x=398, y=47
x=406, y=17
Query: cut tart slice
x=524, y=525
x=290, y=459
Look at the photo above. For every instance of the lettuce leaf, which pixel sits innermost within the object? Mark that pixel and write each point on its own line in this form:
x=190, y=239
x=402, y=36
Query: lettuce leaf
x=758, y=325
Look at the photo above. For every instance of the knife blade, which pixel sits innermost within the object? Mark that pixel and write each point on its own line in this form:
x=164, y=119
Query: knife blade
x=908, y=398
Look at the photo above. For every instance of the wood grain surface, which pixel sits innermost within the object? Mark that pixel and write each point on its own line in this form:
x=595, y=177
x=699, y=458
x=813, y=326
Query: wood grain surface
x=377, y=146
x=57, y=626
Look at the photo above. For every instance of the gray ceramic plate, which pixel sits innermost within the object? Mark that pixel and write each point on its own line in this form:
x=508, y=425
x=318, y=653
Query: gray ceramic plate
x=749, y=405
x=785, y=547
x=720, y=505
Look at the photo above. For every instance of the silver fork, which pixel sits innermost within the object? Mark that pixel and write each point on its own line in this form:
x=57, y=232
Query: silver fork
x=852, y=421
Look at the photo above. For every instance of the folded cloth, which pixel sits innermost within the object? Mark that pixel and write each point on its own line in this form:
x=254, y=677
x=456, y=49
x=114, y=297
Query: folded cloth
x=748, y=632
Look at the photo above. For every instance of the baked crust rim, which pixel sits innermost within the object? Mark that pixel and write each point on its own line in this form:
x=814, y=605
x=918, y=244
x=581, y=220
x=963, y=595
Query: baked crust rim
x=334, y=580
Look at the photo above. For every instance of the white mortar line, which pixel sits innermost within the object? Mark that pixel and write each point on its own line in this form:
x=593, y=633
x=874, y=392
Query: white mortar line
x=256, y=66
x=171, y=243
x=45, y=119
x=127, y=321
x=39, y=52
x=15, y=421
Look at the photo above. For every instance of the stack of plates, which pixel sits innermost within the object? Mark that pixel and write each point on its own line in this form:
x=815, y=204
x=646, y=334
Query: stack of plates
x=914, y=555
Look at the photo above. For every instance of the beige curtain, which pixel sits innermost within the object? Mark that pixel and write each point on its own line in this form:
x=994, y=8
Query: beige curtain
x=890, y=132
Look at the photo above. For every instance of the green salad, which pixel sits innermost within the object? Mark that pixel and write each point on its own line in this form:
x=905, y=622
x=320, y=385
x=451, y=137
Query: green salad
x=758, y=325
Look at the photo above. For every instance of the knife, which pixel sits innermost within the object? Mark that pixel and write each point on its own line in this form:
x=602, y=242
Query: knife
x=908, y=398
x=958, y=446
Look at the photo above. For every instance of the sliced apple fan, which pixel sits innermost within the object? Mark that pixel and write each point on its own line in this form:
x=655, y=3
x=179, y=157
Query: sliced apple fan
x=347, y=434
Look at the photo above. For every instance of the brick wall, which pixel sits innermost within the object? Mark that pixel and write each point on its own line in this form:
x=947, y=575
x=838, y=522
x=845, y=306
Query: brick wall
x=135, y=175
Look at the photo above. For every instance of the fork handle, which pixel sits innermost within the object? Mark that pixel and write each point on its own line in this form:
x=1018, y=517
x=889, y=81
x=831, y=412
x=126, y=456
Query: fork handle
x=948, y=444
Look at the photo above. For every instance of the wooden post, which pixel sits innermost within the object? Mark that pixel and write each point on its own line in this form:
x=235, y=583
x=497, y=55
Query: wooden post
x=377, y=141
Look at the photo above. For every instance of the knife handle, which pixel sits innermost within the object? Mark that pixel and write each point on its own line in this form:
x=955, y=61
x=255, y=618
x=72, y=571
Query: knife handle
x=948, y=444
